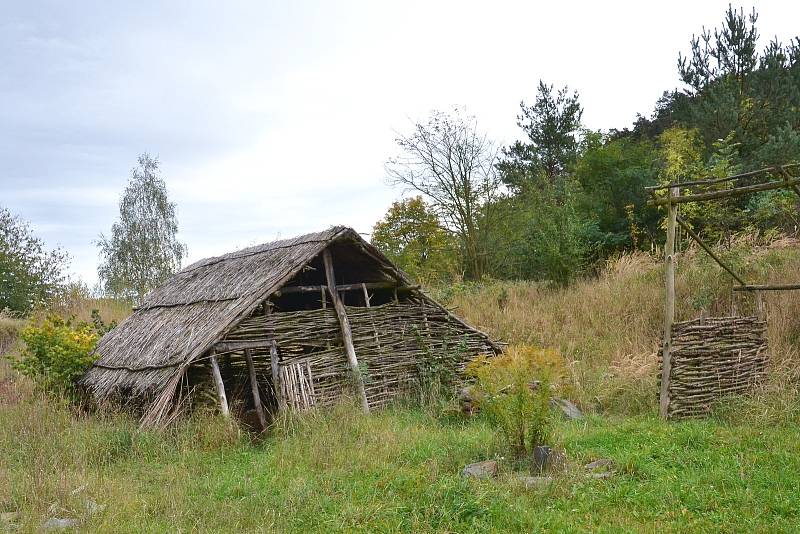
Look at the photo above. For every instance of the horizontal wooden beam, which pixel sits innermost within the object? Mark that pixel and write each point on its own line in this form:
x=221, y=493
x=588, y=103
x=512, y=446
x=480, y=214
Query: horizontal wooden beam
x=778, y=168
x=228, y=346
x=288, y=290
x=768, y=287
x=735, y=192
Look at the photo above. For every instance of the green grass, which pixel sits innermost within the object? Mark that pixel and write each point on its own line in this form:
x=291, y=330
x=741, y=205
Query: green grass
x=396, y=471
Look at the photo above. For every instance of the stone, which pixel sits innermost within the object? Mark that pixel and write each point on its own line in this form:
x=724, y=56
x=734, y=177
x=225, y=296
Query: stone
x=568, y=409
x=94, y=508
x=8, y=519
x=602, y=475
x=534, y=482
x=603, y=463
x=58, y=523
x=485, y=469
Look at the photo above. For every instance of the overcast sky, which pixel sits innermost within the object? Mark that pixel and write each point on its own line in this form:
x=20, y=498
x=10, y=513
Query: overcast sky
x=275, y=118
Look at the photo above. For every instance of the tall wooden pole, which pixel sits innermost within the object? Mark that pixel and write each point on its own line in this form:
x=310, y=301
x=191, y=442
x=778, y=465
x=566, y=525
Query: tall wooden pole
x=669, y=303
x=223, y=400
x=347, y=334
x=254, y=387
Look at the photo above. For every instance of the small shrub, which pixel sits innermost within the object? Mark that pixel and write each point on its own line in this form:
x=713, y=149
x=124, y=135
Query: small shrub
x=55, y=354
x=514, y=390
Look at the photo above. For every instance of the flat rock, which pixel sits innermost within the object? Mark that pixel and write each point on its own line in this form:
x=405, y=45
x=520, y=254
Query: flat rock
x=603, y=463
x=568, y=409
x=485, y=469
x=601, y=475
x=534, y=482
x=58, y=523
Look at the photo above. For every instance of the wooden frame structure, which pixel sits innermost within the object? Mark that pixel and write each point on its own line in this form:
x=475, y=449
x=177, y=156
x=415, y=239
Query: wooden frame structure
x=778, y=176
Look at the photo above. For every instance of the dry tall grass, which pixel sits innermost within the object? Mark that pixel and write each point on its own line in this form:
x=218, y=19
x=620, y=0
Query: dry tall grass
x=609, y=327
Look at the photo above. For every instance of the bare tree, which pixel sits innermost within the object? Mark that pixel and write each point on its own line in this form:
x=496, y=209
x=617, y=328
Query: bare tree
x=451, y=162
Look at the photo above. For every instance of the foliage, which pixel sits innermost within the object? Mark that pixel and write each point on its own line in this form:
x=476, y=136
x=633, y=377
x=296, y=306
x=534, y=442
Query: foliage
x=514, y=389
x=451, y=163
x=734, y=88
x=56, y=353
x=543, y=235
x=142, y=250
x=30, y=275
x=552, y=125
x=410, y=235
x=613, y=173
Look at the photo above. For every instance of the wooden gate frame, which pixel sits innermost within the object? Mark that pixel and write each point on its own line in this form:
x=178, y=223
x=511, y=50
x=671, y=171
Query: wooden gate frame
x=673, y=198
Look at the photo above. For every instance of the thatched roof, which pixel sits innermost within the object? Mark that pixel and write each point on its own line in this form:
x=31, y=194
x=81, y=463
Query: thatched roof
x=182, y=319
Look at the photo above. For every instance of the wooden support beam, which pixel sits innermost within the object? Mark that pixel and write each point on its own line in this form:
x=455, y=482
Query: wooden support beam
x=223, y=400
x=276, y=376
x=254, y=387
x=344, y=323
x=781, y=168
x=724, y=193
x=710, y=252
x=767, y=287
x=366, y=294
x=669, y=304
x=288, y=290
x=229, y=346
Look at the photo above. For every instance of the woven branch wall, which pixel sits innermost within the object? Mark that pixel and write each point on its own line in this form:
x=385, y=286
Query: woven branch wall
x=712, y=358
x=399, y=346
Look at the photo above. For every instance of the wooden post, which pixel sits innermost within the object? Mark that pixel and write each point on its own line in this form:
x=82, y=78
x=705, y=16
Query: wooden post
x=223, y=400
x=254, y=386
x=761, y=309
x=669, y=303
x=366, y=294
x=276, y=375
x=347, y=335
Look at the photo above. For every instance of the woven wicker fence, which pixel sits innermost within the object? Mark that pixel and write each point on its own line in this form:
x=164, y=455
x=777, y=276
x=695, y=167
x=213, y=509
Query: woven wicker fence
x=713, y=358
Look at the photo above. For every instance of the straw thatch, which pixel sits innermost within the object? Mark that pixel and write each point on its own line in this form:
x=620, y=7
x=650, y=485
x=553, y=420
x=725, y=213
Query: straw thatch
x=144, y=360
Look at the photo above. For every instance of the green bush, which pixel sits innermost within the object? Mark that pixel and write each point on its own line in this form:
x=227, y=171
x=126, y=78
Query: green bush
x=56, y=353
x=513, y=390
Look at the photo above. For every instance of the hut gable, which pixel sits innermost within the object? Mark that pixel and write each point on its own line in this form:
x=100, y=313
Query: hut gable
x=180, y=323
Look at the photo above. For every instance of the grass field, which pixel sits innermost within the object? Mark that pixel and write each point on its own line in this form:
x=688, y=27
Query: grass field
x=399, y=470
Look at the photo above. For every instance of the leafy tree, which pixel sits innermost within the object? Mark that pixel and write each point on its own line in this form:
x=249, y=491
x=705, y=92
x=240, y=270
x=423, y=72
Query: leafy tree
x=29, y=273
x=143, y=249
x=411, y=236
x=543, y=235
x=451, y=163
x=552, y=125
x=613, y=173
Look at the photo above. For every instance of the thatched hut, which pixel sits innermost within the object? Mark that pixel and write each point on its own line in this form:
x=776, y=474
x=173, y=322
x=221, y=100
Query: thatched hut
x=288, y=324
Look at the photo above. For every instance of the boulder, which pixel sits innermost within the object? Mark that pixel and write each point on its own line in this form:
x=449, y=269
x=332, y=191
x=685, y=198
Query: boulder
x=485, y=469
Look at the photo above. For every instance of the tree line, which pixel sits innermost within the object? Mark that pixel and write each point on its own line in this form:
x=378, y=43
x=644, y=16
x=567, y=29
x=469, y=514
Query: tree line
x=557, y=203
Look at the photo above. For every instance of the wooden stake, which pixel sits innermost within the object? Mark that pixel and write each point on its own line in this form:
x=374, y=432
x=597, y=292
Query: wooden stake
x=366, y=294
x=276, y=376
x=223, y=400
x=669, y=303
x=761, y=309
x=254, y=386
x=344, y=323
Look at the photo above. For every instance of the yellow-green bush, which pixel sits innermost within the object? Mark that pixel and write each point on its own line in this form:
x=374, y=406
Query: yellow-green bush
x=513, y=390
x=56, y=353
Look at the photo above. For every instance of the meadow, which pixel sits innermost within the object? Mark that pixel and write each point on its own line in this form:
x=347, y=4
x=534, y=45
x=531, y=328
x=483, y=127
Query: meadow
x=399, y=470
